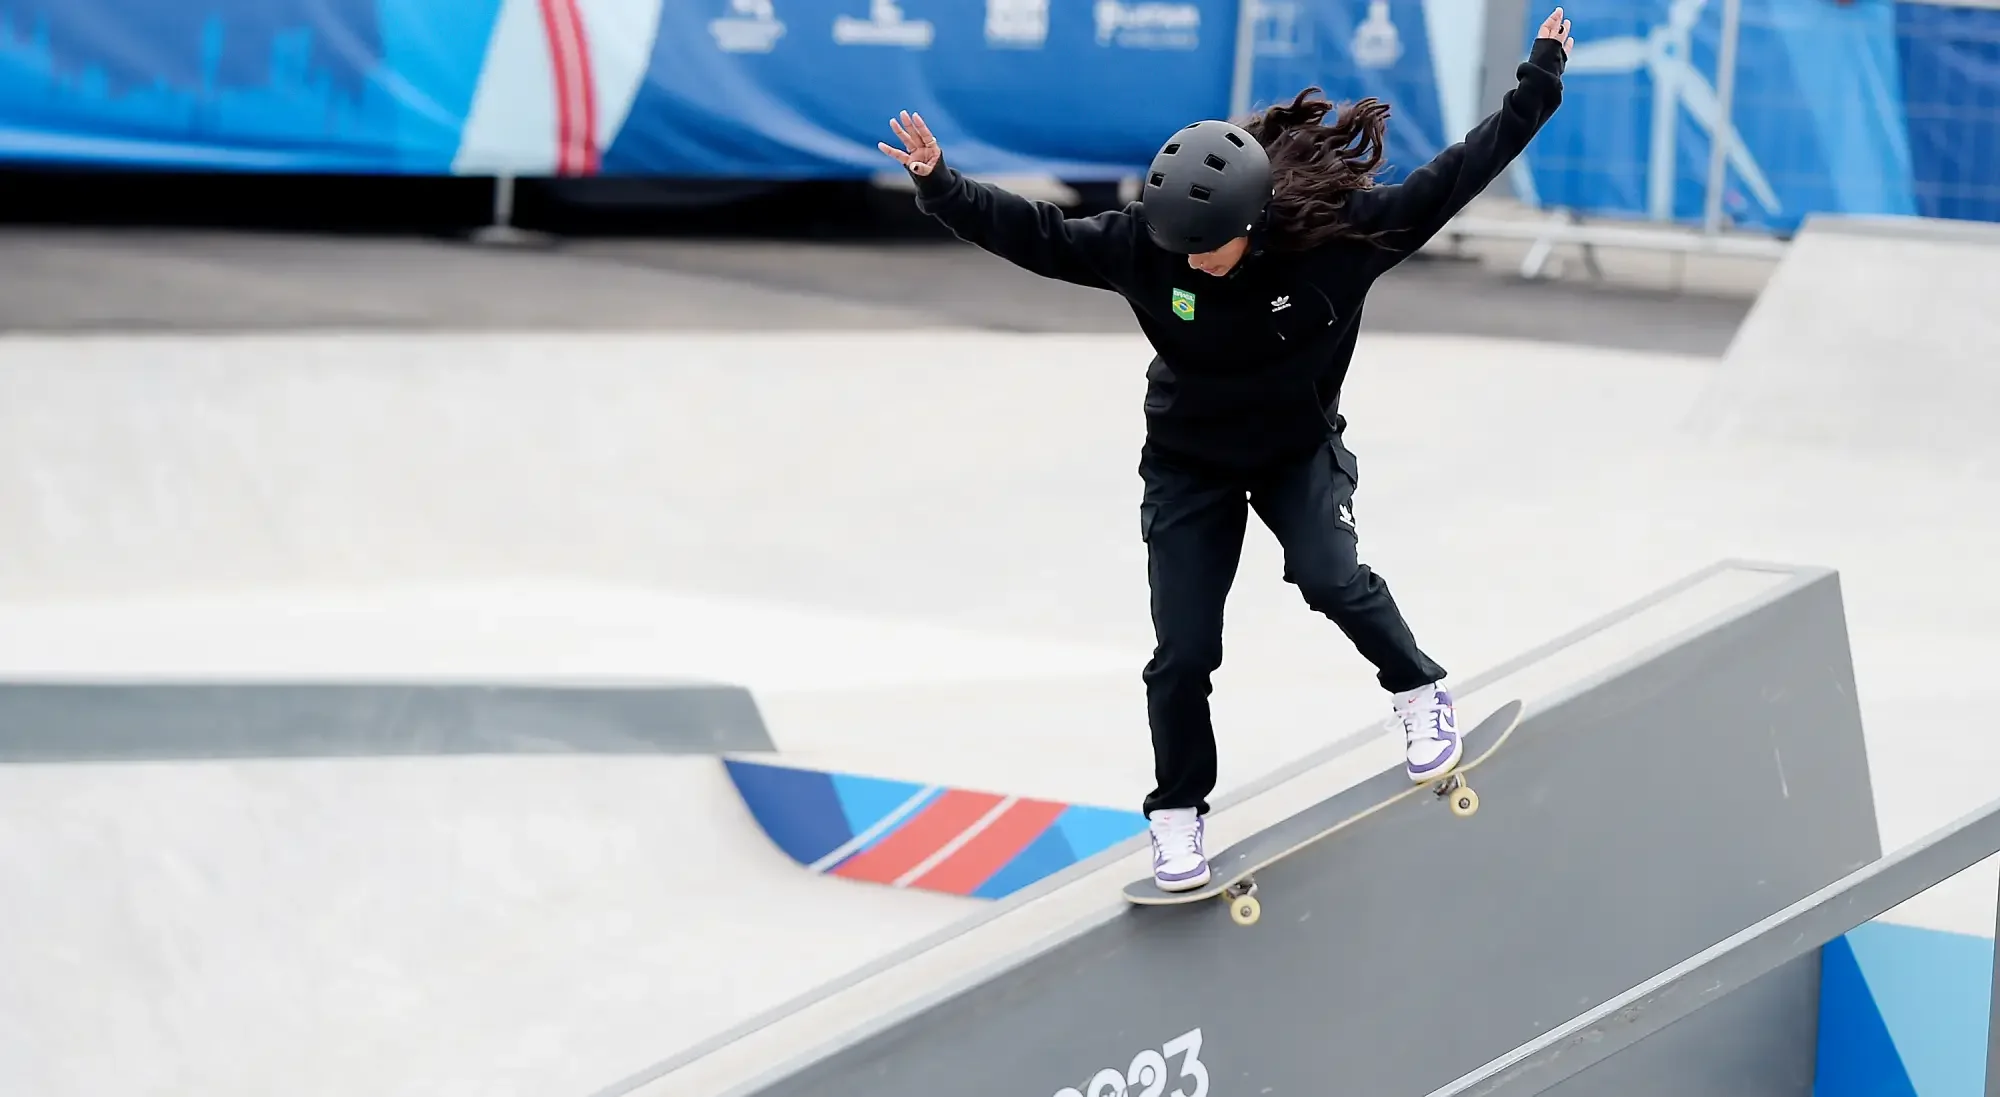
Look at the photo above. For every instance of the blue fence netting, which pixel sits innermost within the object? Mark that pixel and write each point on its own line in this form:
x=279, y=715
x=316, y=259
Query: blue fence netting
x=1849, y=105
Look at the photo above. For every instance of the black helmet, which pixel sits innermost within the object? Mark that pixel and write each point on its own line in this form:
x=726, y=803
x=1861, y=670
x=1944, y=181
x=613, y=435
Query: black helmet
x=1206, y=186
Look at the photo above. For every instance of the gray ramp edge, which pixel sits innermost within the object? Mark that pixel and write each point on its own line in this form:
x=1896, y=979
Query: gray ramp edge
x=1895, y=227
x=1694, y=986
x=1875, y=336
x=155, y=721
x=787, y=1040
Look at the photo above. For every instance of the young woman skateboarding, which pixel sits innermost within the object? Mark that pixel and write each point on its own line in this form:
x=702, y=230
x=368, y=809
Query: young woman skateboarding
x=1246, y=260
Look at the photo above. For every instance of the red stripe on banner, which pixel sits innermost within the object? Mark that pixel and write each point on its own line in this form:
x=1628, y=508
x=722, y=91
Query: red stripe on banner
x=586, y=94
x=925, y=833
x=574, y=88
x=558, y=78
x=976, y=861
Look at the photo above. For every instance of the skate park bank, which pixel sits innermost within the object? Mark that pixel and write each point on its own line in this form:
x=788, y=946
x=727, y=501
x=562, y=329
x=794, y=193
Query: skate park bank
x=1591, y=864
x=938, y=607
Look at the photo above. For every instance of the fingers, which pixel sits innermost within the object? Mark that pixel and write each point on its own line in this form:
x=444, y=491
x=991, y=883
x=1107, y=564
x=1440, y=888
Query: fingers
x=922, y=154
x=915, y=134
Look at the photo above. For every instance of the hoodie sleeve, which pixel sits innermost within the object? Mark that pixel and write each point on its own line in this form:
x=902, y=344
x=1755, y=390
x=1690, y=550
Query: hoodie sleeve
x=1095, y=251
x=1411, y=212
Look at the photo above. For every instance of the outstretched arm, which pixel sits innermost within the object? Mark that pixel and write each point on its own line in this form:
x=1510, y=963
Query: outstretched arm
x=1036, y=236
x=1409, y=213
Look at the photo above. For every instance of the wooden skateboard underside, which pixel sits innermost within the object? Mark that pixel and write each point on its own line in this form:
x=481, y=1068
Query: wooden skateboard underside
x=1233, y=871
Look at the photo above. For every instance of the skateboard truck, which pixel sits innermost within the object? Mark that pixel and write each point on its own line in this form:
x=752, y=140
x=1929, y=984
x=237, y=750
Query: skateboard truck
x=1243, y=906
x=1462, y=800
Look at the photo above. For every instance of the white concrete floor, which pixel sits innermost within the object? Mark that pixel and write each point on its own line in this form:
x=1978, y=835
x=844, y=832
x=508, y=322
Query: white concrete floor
x=919, y=547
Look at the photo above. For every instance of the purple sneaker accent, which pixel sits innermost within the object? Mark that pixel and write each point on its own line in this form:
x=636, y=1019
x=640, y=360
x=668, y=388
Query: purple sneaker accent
x=1197, y=872
x=1442, y=761
x=1443, y=728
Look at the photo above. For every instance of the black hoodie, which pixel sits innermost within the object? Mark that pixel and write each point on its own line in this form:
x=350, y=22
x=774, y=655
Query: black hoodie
x=1248, y=367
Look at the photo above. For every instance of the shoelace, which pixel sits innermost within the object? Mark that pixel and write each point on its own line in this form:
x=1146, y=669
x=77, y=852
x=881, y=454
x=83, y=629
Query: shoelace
x=1178, y=838
x=1421, y=721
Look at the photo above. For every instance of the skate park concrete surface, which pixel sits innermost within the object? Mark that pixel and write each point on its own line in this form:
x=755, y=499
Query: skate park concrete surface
x=865, y=485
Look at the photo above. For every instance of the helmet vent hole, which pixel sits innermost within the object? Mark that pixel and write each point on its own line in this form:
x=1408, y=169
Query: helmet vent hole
x=1171, y=149
x=1234, y=139
x=1199, y=193
x=1158, y=178
x=1214, y=161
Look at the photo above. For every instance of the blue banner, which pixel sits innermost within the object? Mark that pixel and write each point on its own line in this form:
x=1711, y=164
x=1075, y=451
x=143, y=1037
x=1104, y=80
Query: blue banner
x=1821, y=120
x=801, y=88
x=715, y=88
x=1858, y=106
x=1950, y=59
x=289, y=85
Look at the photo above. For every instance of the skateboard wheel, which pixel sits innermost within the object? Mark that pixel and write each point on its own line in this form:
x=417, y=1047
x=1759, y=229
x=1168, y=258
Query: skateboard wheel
x=1464, y=802
x=1244, y=911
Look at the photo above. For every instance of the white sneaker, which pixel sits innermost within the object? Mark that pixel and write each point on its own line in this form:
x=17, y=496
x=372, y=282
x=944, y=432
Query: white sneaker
x=1178, y=861
x=1430, y=732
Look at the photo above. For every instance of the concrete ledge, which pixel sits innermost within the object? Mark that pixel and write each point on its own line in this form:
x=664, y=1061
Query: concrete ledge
x=134, y=721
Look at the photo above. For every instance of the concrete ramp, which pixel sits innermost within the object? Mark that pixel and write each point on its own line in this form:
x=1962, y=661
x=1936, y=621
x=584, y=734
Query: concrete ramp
x=1687, y=766
x=444, y=926
x=1876, y=335
x=159, y=720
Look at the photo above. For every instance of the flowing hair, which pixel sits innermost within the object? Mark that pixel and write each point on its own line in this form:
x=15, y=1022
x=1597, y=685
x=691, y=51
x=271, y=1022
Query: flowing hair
x=1315, y=164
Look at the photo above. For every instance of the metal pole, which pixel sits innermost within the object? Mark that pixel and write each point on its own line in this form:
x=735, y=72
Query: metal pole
x=1993, y=1014
x=503, y=201
x=1246, y=57
x=1725, y=94
x=502, y=230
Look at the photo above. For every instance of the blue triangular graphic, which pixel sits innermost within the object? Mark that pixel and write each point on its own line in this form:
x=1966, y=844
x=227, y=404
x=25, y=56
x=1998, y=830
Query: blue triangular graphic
x=1856, y=1056
x=797, y=808
x=1931, y=990
x=867, y=800
x=1092, y=830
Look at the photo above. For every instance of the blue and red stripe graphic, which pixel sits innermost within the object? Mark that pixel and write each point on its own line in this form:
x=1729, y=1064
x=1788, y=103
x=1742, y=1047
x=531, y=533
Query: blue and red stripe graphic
x=906, y=834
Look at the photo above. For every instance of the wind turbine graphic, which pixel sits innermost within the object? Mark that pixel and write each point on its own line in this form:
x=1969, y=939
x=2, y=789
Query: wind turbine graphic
x=1665, y=55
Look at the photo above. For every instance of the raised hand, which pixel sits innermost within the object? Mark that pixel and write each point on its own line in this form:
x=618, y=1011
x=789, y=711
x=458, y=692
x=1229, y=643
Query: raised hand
x=1556, y=27
x=920, y=152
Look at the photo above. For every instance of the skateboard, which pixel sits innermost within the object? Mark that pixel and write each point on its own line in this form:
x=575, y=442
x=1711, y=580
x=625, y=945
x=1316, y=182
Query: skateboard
x=1232, y=873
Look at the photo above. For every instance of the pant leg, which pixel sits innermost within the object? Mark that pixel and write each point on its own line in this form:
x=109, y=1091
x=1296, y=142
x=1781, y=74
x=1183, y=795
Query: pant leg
x=1309, y=506
x=1193, y=528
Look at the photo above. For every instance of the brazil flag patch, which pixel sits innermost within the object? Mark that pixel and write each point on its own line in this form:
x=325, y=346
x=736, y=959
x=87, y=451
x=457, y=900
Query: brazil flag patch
x=1183, y=304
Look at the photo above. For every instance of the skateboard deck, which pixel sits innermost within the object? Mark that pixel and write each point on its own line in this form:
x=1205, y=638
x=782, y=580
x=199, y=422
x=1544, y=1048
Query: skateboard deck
x=1232, y=873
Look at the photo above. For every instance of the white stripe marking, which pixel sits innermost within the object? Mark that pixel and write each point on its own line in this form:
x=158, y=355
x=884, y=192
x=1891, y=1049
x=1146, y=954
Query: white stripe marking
x=956, y=844
x=903, y=809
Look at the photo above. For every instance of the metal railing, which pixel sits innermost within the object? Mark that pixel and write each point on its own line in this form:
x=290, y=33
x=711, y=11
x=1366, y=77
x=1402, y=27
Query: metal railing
x=1794, y=932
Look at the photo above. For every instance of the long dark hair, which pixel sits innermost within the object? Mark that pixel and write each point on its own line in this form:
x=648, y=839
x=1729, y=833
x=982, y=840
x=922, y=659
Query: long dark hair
x=1315, y=164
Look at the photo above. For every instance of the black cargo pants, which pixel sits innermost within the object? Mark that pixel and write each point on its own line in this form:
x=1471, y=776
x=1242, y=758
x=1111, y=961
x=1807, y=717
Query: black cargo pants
x=1193, y=524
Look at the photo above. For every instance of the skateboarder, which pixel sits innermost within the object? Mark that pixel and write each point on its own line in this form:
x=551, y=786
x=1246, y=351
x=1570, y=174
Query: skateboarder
x=1246, y=261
